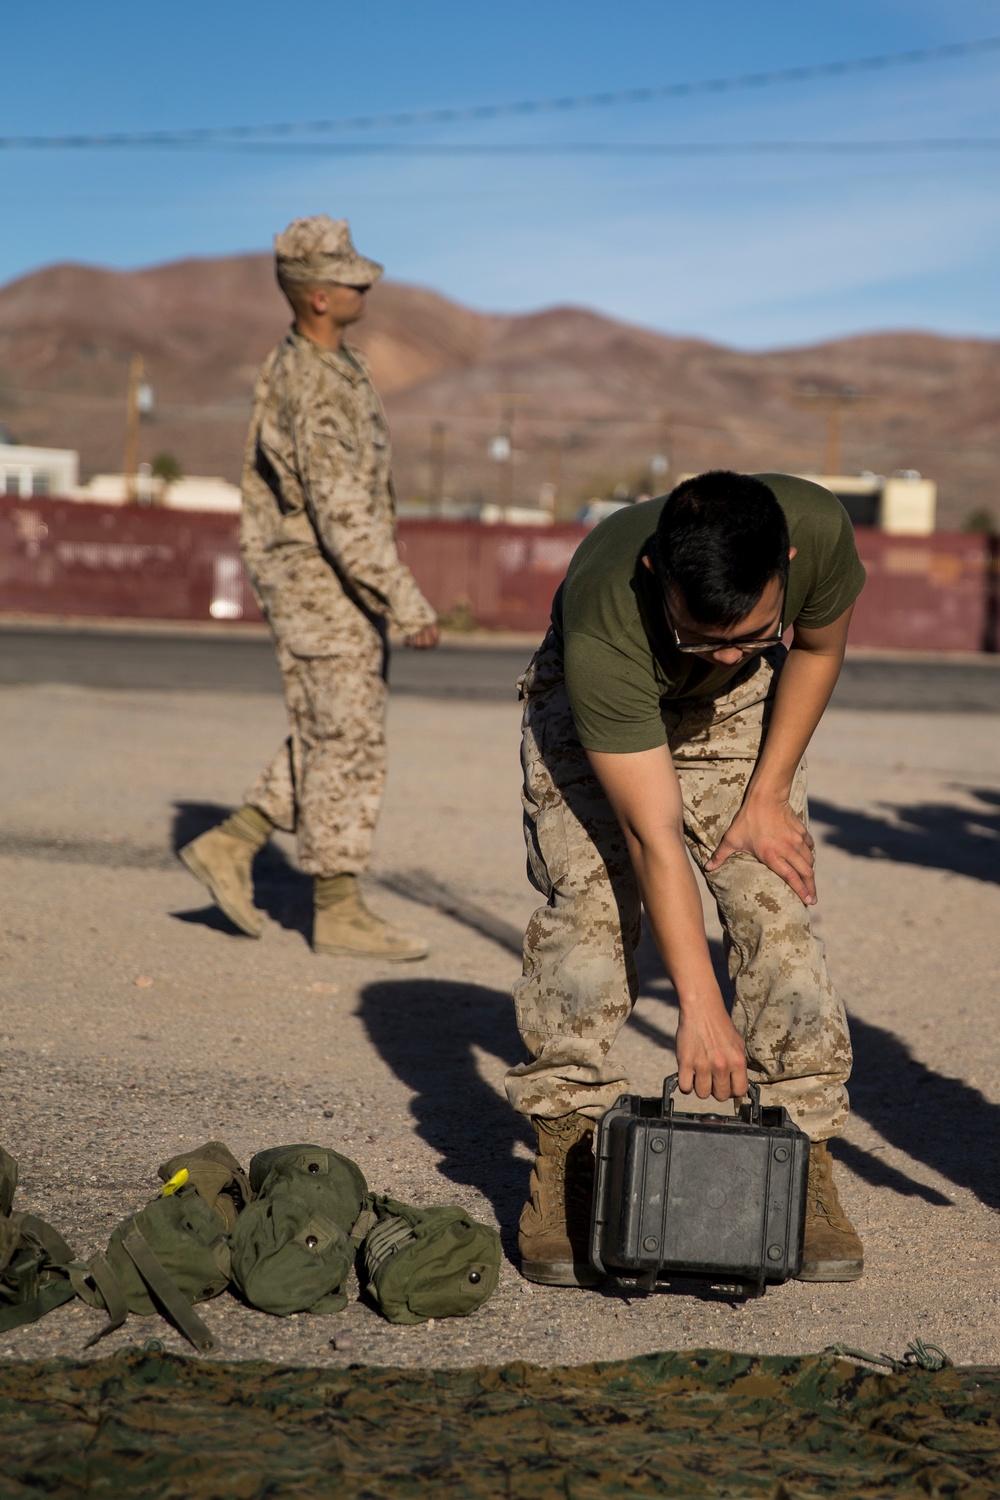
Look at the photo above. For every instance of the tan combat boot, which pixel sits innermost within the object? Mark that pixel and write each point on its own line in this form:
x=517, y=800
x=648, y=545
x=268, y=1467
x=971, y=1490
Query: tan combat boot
x=221, y=860
x=343, y=924
x=554, y=1232
x=833, y=1250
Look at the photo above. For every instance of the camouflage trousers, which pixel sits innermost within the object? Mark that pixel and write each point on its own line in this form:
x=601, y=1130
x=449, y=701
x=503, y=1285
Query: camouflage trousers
x=325, y=784
x=579, y=979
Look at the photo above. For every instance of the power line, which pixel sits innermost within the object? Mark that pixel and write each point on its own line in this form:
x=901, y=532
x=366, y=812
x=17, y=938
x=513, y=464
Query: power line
x=620, y=148
x=638, y=149
x=211, y=135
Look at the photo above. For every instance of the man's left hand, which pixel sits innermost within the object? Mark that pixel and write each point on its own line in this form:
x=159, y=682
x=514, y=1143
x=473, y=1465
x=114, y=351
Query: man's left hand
x=424, y=639
x=767, y=828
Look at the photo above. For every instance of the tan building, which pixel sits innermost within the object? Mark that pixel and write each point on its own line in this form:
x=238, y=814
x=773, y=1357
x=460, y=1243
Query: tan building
x=905, y=504
x=192, y=492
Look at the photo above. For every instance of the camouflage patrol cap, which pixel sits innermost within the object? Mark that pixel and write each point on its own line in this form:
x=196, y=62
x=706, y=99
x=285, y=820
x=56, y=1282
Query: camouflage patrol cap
x=320, y=250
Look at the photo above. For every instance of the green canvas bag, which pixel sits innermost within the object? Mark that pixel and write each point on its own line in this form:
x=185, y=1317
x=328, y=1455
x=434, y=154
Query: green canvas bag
x=34, y=1259
x=175, y=1251
x=216, y=1176
x=425, y=1263
x=8, y=1182
x=292, y=1248
x=341, y=1177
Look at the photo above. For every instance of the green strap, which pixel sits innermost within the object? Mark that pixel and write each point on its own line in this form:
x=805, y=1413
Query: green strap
x=101, y=1273
x=21, y=1274
x=50, y=1239
x=51, y=1295
x=918, y=1356
x=40, y=1252
x=366, y=1220
x=170, y=1297
x=386, y=1239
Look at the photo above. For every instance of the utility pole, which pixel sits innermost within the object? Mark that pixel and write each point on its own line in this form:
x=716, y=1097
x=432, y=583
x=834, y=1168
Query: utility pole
x=501, y=451
x=555, y=479
x=835, y=402
x=139, y=402
x=439, y=443
x=507, y=469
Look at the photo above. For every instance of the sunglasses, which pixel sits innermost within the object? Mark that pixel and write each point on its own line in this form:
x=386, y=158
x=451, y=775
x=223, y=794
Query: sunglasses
x=708, y=645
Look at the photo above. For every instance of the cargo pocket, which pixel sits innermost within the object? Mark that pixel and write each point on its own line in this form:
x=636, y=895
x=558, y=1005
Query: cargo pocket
x=548, y=850
x=544, y=814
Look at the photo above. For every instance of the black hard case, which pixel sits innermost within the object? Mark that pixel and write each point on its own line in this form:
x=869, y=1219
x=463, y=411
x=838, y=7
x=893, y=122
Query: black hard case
x=681, y=1196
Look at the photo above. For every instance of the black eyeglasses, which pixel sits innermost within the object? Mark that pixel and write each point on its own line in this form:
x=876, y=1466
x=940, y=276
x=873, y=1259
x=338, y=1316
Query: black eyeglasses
x=710, y=645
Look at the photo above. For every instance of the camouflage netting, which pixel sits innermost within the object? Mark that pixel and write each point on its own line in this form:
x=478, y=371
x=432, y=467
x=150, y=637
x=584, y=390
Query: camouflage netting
x=708, y=1424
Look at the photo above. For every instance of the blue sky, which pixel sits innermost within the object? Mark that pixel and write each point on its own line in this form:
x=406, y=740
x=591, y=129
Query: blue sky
x=757, y=251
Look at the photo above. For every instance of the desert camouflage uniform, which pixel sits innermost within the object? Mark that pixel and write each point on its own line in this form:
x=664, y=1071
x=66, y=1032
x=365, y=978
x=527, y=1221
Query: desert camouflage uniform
x=318, y=537
x=580, y=982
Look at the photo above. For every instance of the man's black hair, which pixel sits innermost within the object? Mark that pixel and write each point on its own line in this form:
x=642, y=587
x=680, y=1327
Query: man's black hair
x=720, y=538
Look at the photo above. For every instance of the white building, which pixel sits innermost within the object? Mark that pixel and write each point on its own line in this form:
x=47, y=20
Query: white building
x=27, y=472
x=38, y=471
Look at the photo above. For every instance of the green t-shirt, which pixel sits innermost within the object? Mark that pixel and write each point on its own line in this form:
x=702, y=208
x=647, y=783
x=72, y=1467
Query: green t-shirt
x=620, y=659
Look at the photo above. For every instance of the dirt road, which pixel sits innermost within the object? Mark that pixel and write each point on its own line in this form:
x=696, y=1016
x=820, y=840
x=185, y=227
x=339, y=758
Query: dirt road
x=136, y=1023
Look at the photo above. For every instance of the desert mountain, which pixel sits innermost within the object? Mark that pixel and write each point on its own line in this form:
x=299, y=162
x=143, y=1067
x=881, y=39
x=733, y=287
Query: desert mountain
x=588, y=400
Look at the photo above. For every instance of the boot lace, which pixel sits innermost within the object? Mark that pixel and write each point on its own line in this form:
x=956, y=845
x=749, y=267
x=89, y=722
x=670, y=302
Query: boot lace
x=570, y=1169
x=823, y=1192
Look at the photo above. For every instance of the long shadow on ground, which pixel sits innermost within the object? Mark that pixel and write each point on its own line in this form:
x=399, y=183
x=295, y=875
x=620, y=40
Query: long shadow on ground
x=428, y=1031
x=890, y=1089
x=280, y=890
x=936, y=835
x=940, y=1121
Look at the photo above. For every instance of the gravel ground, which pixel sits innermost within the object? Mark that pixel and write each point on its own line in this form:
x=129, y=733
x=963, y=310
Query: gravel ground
x=135, y=1022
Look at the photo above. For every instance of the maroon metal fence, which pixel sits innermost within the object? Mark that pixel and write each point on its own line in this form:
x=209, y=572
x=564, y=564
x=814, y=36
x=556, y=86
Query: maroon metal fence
x=58, y=557
x=936, y=593
x=504, y=576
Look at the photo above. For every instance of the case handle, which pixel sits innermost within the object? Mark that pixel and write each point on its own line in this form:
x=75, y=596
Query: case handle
x=670, y=1084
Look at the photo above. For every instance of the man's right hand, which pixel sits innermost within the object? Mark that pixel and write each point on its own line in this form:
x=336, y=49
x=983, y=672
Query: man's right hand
x=710, y=1055
x=643, y=789
x=424, y=639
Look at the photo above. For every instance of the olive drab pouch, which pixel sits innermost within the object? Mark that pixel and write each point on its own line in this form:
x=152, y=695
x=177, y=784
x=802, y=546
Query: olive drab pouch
x=34, y=1259
x=343, y=1181
x=425, y=1263
x=292, y=1247
x=169, y=1255
x=216, y=1176
x=288, y=1257
x=8, y=1181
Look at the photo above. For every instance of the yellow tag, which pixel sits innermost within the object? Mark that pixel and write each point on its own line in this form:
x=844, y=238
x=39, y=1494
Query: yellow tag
x=177, y=1181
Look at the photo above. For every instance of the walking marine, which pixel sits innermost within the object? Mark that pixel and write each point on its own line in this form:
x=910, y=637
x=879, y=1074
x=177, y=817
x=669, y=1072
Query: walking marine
x=319, y=543
x=664, y=716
